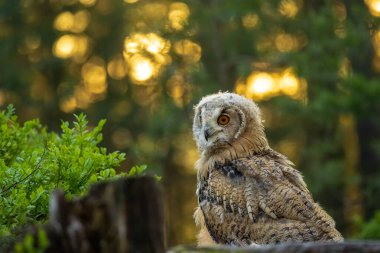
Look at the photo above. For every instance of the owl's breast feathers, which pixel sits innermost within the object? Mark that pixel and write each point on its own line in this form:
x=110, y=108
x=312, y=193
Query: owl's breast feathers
x=261, y=199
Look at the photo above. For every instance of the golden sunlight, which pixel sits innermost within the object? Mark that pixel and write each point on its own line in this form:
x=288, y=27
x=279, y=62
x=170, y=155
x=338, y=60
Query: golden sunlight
x=264, y=85
x=285, y=42
x=131, y=1
x=67, y=21
x=250, y=20
x=81, y=48
x=83, y=97
x=141, y=68
x=178, y=14
x=189, y=50
x=156, y=44
x=260, y=84
x=117, y=68
x=94, y=76
x=150, y=42
x=64, y=47
x=64, y=21
x=288, y=8
x=68, y=105
x=289, y=83
x=376, y=46
x=376, y=42
x=81, y=21
x=376, y=64
x=374, y=7
x=88, y=2
x=177, y=88
x=68, y=46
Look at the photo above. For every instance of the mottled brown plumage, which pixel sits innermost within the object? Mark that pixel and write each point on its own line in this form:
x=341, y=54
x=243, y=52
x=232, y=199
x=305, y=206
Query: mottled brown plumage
x=247, y=192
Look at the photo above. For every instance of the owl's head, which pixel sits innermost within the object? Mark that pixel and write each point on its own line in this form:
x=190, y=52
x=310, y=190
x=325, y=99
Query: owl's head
x=225, y=120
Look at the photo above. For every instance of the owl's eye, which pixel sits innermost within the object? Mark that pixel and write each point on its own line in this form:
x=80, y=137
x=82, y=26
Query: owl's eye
x=223, y=120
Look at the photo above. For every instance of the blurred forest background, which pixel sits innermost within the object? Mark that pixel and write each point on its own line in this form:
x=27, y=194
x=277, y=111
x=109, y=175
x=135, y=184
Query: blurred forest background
x=312, y=66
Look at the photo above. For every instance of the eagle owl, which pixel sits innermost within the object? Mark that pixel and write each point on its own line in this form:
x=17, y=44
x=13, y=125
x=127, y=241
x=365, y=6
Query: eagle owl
x=247, y=192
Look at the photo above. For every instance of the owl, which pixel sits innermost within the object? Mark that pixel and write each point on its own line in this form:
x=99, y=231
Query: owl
x=249, y=194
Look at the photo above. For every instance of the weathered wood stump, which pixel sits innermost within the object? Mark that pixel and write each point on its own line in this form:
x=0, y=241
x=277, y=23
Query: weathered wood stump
x=120, y=216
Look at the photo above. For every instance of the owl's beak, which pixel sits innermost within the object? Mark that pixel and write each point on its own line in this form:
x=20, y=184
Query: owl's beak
x=207, y=133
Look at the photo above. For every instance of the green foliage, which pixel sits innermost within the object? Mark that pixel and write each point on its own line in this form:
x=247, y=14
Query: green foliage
x=136, y=170
x=140, y=170
x=33, y=162
x=370, y=229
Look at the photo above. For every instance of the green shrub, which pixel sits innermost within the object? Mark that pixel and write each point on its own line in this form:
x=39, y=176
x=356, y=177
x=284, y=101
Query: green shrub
x=33, y=162
x=370, y=229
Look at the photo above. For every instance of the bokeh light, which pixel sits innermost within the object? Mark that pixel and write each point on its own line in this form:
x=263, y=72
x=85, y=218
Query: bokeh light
x=178, y=89
x=288, y=8
x=190, y=51
x=141, y=68
x=64, y=46
x=178, y=14
x=117, y=68
x=67, y=21
x=145, y=55
x=264, y=85
x=69, y=45
x=260, y=84
x=150, y=42
x=81, y=21
x=376, y=42
x=68, y=105
x=285, y=42
x=131, y=1
x=376, y=46
x=88, y=3
x=250, y=20
x=94, y=76
x=92, y=88
x=289, y=83
x=83, y=98
x=374, y=7
x=64, y=21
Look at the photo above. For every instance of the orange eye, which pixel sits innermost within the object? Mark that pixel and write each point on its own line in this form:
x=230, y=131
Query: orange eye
x=223, y=119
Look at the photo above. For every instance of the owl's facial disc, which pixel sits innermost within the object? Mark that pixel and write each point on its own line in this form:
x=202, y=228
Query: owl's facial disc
x=220, y=126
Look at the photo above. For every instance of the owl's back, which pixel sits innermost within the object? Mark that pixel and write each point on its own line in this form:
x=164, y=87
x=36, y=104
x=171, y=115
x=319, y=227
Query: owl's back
x=260, y=199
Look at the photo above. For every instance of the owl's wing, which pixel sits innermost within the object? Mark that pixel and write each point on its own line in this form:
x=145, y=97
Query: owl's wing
x=282, y=193
x=286, y=167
